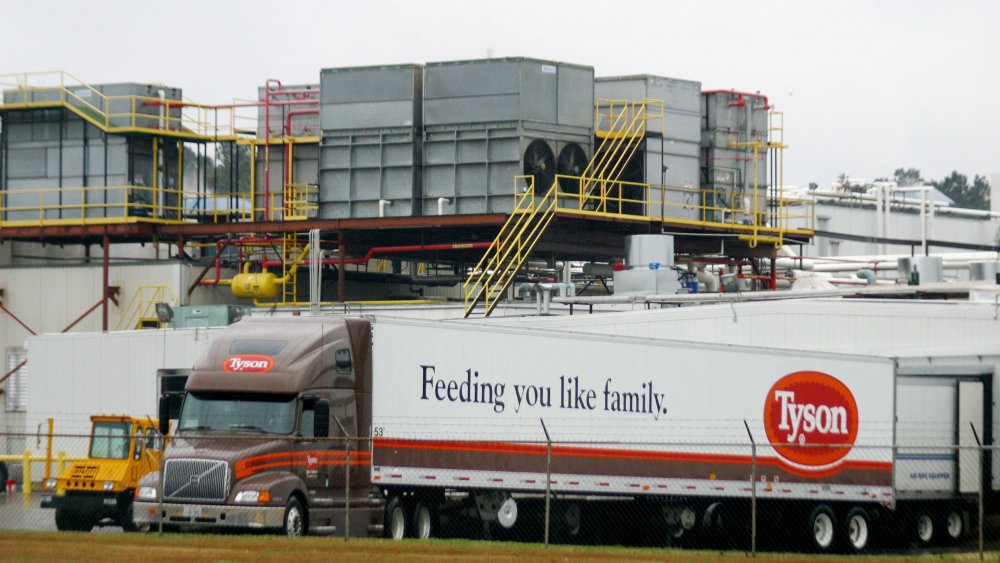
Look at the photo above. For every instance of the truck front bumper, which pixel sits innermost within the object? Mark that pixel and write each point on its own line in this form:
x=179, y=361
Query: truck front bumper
x=208, y=515
x=95, y=504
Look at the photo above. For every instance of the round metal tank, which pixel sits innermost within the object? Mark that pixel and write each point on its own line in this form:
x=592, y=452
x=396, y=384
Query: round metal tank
x=930, y=268
x=262, y=285
x=983, y=271
x=643, y=250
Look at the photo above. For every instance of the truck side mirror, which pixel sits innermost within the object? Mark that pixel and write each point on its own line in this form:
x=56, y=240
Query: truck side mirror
x=321, y=419
x=164, y=414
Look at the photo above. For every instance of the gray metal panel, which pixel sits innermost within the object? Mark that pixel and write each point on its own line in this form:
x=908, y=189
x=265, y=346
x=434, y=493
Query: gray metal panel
x=677, y=95
x=371, y=97
x=26, y=162
x=514, y=89
x=361, y=167
x=576, y=96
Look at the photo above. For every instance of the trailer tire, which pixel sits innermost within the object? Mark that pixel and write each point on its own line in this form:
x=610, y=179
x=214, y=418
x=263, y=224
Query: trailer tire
x=857, y=530
x=396, y=525
x=296, y=521
x=822, y=525
x=923, y=528
x=424, y=521
x=953, y=525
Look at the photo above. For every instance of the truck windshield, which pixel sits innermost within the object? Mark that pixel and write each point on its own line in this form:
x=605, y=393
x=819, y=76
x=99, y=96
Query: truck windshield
x=268, y=414
x=111, y=440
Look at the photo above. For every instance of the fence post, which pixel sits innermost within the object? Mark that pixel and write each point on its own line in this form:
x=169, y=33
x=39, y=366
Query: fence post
x=753, y=492
x=982, y=477
x=26, y=474
x=548, y=481
x=162, y=468
x=347, y=487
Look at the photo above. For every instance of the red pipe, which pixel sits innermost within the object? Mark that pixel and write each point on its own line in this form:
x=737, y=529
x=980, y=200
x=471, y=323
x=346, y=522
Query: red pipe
x=739, y=101
x=386, y=249
x=288, y=155
x=267, y=145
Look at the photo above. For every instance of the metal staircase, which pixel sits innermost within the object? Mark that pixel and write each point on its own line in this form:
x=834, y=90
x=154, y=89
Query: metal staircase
x=621, y=126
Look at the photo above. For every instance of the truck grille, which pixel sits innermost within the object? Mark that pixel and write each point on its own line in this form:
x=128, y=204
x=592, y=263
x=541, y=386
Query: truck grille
x=195, y=479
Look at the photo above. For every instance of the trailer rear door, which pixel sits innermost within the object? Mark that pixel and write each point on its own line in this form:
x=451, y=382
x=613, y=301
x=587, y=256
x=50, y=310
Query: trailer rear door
x=970, y=415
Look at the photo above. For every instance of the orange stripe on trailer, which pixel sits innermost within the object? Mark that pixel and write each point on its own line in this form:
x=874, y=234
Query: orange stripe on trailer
x=624, y=454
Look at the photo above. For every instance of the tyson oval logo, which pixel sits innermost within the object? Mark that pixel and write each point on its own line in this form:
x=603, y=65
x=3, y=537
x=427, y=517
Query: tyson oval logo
x=811, y=419
x=248, y=363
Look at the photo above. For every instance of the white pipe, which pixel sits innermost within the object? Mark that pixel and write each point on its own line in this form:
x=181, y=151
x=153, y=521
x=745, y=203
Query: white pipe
x=923, y=220
x=441, y=203
x=382, y=203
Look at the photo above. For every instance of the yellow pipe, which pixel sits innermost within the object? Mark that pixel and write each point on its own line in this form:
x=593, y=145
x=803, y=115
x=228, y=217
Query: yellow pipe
x=26, y=473
x=48, y=452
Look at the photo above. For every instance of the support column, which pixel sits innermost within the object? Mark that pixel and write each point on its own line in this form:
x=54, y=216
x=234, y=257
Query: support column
x=105, y=245
x=341, y=276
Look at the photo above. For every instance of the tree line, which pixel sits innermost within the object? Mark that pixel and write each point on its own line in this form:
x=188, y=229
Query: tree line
x=956, y=186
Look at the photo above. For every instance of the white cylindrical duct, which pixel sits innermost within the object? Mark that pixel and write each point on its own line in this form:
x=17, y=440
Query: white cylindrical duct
x=928, y=269
x=643, y=250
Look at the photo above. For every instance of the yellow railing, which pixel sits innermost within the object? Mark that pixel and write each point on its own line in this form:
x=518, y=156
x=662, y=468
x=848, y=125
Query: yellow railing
x=511, y=247
x=124, y=113
x=687, y=206
x=118, y=204
x=26, y=459
x=142, y=306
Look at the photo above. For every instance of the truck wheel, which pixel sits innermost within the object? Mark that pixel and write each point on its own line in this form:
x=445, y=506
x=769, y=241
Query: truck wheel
x=423, y=521
x=857, y=530
x=128, y=520
x=295, y=518
x=953, y=525
x=395, y=519
x=821, y=526
x=72, y=521
x=923, y=528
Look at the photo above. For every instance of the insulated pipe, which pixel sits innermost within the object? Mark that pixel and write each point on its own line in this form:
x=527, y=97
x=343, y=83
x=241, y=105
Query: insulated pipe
x=441, y=203
x=382, y=203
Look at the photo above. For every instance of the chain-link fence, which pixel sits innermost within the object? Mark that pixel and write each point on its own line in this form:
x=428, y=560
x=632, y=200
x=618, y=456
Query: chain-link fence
x=785, y=497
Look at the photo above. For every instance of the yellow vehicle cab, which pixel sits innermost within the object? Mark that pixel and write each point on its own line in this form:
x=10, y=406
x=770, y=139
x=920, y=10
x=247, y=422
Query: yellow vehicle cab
x=99, y=490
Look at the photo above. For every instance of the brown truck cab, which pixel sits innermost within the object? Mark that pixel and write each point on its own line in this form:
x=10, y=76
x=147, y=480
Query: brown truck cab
x=267, y=436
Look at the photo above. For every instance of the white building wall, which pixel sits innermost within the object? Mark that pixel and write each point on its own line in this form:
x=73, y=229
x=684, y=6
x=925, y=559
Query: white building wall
x=77, y=375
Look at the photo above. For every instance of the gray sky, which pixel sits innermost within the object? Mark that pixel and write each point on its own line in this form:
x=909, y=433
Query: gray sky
x=866, y=86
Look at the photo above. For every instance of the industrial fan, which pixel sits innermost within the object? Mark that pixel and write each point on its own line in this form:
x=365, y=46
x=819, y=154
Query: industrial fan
x=572, y=162
x=540, y=162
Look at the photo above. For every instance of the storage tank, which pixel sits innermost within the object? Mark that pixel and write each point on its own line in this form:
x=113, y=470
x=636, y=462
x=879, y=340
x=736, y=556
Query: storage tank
x=985, y=270
x=649, y=261
x=929, y=268
x=370, y=149
x=669, y=156
x=487, y=121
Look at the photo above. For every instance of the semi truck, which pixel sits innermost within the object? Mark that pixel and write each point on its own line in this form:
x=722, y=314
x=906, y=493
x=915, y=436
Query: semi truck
x=381, y=426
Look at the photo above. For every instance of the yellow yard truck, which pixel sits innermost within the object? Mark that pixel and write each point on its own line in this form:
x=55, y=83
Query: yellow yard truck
x=98, y=491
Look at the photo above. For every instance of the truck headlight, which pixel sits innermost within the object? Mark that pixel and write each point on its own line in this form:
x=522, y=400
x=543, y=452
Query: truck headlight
x=145, y=493
x=109, y=485
x=50, y=484
x=250, y=497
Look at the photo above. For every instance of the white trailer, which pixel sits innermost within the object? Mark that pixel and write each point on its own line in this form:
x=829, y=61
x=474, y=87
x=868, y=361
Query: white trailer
x=841, y=448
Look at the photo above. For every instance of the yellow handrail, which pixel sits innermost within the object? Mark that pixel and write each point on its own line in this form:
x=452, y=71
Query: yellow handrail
x=142, y=305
